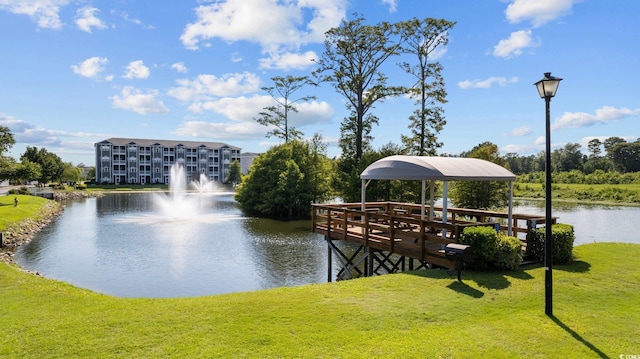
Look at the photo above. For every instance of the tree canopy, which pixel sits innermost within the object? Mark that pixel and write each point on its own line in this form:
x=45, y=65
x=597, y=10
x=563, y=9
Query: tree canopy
x=354, y=53
x=285, y=180
x=421, y=39
x=481, y=194
x=277, y=116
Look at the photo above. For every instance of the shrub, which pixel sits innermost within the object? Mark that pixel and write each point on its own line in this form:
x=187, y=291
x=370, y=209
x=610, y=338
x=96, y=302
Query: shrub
x=563, y=238
x=483, y=241
x=81, y=186
x=21, y=190
x=508, y=253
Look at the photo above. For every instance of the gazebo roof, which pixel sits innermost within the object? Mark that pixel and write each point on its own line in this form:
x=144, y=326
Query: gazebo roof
x=402, y=167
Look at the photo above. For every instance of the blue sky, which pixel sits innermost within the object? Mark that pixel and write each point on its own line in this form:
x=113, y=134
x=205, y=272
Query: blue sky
x=73, y=73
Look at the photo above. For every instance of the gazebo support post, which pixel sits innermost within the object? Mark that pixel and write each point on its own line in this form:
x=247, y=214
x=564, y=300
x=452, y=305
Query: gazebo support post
x=431, y=199
x=510, y=213
x=424, y=189
x=445, y=194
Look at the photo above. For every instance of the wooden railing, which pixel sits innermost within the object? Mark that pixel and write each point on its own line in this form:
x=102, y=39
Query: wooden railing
x=399, y=228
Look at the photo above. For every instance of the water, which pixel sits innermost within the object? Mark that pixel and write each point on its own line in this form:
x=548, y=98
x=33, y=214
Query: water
x=122, y=245
x=592, y=223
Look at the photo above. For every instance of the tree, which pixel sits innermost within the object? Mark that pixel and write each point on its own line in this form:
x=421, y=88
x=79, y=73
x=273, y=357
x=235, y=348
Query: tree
x=626, y=156
x=422, y=38
x=71, y=173
x=27, y=171
x=481, y=194
x=278, y=114
x=235, y=173
x=353, y=55
x=284, y=181
x=567, y=158
x=595, y=161
x=51, y=165
x=595, y=148
x=6, y=139
x=610, y=142
x=8, y=167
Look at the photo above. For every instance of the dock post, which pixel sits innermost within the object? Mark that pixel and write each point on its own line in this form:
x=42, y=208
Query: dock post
x=328, y=260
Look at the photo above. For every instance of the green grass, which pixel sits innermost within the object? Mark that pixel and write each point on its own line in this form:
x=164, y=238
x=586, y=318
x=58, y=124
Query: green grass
x=28, y=207
x=425, y=314
x=608, y=193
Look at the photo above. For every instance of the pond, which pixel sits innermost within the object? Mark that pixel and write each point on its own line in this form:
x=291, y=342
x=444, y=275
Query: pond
x=123, y=245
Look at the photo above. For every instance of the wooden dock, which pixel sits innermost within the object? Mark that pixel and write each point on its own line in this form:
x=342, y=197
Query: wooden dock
x=388, y=233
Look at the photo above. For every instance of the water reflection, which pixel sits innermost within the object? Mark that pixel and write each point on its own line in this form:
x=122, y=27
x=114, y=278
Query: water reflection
x=591, y=222
x=120, y=245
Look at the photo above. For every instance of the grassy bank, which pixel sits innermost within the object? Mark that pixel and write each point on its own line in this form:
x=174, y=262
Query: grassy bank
x=28, y=207
x=424, y=314
x=628, y=194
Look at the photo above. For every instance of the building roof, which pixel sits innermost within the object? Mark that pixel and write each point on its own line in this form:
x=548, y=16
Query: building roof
x=166, y=143
x=436, y=168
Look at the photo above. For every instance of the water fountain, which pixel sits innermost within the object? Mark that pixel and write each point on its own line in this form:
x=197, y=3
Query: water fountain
x=184, y=202
x=203, y=184
x=177, y=203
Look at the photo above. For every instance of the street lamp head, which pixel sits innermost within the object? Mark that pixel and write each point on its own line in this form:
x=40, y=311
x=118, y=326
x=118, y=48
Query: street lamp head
x=548, y=86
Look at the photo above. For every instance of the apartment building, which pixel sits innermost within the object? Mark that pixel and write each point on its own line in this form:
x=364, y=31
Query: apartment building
x=143, y=161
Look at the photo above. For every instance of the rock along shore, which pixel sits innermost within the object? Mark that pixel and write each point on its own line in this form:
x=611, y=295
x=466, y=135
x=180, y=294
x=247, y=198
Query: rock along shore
x=23, y=232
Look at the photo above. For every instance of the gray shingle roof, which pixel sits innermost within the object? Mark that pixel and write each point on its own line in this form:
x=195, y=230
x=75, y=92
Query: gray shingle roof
x=116, y=141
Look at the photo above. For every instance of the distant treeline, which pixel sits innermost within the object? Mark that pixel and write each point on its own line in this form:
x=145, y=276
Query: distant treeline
x=604, y=159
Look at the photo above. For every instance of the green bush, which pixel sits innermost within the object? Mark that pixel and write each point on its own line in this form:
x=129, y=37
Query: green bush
x=508, y=253
x=21, y=190
x=563, y=238
x=81, y=186
x=483, y=241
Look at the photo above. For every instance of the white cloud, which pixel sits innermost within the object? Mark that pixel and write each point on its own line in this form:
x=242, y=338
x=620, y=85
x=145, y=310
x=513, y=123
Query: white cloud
x=602, y=115
x=180, y=67
x=538, y=11
x=224, y=131
x=136, y=70
x=311, y=113
x=288, y=61
x=520, y=149
x=133, y=99
x=521, y=131
x=235, y=108
x=245, y=109
x=91, y=67
x=45, y=12
x=485, y=84
x=86, y=19
x=269, y=23
x=207, y=87
x=392, y=5
x=514, y=45
x=34, y=135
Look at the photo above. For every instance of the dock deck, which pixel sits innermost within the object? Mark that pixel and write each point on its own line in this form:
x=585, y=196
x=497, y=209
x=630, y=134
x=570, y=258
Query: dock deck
x=386, y=229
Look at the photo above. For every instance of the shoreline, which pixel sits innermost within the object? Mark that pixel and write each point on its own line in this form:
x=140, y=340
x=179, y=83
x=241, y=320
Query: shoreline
x=23, y=232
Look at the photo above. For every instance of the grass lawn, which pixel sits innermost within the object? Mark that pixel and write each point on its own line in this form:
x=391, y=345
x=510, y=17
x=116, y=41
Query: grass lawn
x=28, y=207
x=424, y=314
x=628, y=194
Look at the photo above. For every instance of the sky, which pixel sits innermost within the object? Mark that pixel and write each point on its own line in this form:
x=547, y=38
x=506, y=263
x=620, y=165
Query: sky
x=76, y=72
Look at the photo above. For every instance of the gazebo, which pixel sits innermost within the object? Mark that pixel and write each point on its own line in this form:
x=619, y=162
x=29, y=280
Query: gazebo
x=445, y=169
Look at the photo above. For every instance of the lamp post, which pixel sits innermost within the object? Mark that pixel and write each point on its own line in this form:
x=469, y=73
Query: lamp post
x=547, y=88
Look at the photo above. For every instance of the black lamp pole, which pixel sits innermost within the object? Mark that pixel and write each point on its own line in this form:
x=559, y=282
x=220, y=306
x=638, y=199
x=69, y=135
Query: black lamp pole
x=547, y=88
